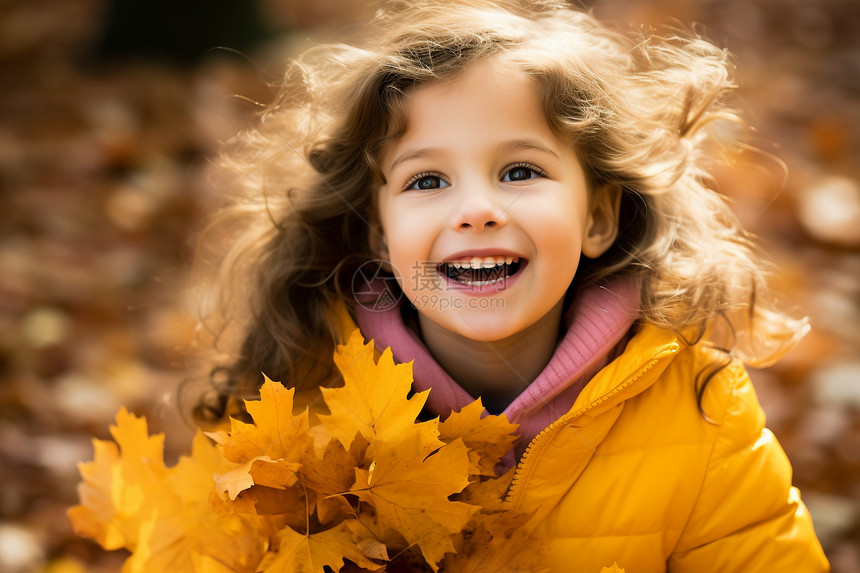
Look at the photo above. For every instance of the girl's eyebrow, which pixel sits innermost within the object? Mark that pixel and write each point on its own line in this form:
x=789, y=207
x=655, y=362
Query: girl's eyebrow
x=532, y=144
x=513, y=145
x=413, y=154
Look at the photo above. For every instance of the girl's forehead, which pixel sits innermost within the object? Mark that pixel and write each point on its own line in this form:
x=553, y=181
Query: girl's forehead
x=491, y=75
x=488, y=84
x=492, y=103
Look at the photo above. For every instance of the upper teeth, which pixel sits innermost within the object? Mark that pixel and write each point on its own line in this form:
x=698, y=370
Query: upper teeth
x=482, y=262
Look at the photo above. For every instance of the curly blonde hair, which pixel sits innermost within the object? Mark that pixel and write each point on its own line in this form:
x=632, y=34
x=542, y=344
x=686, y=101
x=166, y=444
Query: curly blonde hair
x=647, y=114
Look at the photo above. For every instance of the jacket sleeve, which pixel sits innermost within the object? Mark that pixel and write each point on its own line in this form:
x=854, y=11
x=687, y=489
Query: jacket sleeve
x=747, y=518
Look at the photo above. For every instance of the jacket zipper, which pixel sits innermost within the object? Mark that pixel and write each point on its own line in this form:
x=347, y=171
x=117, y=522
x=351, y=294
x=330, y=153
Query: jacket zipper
x=518, y=472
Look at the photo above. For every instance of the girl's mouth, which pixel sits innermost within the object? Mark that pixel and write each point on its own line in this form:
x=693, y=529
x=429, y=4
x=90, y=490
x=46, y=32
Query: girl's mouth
x=481, y=271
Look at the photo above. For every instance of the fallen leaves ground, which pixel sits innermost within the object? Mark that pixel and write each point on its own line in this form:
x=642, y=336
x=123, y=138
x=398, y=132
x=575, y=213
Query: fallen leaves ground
x=103, y=173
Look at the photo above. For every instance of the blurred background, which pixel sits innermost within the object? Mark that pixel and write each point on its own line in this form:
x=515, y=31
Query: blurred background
x=110, y=113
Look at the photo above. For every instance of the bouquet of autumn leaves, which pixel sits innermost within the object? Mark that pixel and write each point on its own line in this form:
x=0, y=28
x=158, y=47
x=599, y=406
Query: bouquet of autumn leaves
x=366, y=487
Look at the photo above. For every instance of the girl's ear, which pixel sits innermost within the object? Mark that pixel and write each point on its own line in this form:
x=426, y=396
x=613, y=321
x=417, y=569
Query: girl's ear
x=601, y=228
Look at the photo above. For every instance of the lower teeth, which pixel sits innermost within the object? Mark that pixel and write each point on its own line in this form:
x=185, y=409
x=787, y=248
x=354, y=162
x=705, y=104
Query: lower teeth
x=483, y=283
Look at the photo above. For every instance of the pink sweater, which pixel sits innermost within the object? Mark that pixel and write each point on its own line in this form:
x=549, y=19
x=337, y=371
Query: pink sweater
x=598, y=322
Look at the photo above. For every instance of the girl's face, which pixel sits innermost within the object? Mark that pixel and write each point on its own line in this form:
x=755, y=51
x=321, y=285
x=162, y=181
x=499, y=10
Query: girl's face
x=485, y=212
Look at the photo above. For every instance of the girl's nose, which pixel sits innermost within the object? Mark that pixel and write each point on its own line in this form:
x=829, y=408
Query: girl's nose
x=479, y=209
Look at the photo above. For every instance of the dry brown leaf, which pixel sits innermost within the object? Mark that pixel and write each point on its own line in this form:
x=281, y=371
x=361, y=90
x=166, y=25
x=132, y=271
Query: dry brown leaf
x=312, y=553
x=330, y=474
x=497, y=543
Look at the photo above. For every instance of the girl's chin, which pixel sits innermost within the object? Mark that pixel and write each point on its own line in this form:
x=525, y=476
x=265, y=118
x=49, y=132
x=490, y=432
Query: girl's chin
x=479, y=326
x=486, y=319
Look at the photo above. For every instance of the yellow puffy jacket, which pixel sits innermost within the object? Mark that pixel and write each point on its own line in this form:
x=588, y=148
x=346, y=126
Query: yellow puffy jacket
x=634, y=475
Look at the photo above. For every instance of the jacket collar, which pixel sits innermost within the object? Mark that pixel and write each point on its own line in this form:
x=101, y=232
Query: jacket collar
x=646, y=356
x=587, y=423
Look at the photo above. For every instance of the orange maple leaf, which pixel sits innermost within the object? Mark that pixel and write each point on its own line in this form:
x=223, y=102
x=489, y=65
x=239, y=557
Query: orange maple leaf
x=276, y=433
x=266, y=452
x=488, y=438
x=409, y=492
x=330, y=473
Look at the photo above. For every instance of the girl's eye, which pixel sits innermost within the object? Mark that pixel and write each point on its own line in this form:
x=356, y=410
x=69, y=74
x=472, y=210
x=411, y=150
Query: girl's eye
x=426, y=182
x=522, y=173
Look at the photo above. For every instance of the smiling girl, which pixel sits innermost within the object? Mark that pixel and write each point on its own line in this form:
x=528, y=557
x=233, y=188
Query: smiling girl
x=533, y=185
x=477, y=180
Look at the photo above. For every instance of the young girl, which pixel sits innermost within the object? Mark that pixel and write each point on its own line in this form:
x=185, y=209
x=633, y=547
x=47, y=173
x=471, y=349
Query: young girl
x=514, y=196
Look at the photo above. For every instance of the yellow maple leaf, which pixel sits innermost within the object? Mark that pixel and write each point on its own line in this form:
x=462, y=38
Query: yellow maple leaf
x=279, y=474
x=614, y=569
x=311, y=553
x=368, y=483
x=115, y=486
x=276, y=432
x=410, y=493
x=262, y=470
x=96, y=515
x=374, y=400
x=192, y=475
x=162, y=515
x=267, y=451
x=234, y=481
x=269, y=508
x=488, y=438
x=214, y=541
